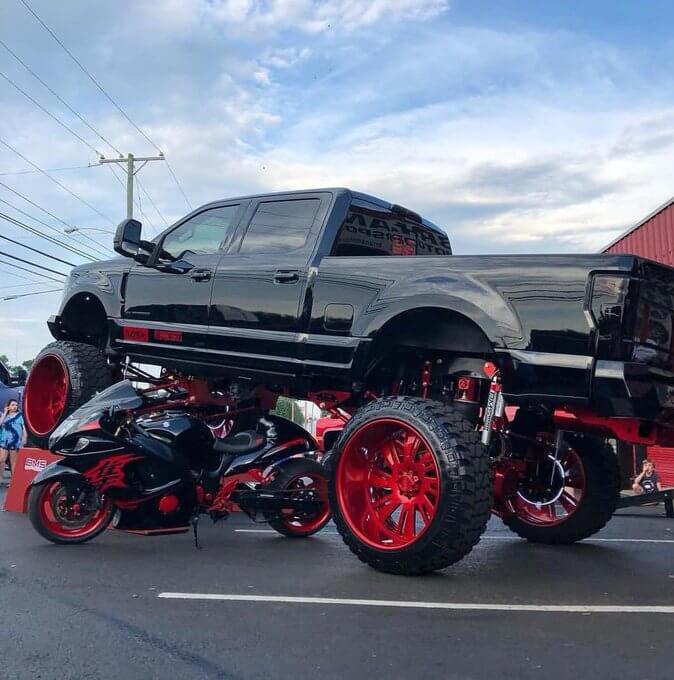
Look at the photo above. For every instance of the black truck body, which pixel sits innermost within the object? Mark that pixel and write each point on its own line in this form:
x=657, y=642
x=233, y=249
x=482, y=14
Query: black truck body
x=306, y=289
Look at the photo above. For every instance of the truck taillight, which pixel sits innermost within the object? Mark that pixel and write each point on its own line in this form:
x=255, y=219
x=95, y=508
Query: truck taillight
x=607, y=308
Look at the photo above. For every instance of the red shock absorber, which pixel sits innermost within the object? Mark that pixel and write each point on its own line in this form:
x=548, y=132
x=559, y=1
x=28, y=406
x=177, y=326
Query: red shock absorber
x=495, y=407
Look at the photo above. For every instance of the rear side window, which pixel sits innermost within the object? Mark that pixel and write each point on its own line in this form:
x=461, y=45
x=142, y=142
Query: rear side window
x=371, y=231
x=280, y=226
x=202, y=233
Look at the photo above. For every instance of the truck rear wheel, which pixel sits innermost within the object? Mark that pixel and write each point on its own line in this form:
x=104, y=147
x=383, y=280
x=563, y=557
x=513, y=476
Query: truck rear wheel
x=571, y=498
x=64, y=376
x=410, y=488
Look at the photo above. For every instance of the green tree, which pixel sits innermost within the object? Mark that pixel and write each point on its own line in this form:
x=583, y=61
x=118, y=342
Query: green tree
x=28, y=363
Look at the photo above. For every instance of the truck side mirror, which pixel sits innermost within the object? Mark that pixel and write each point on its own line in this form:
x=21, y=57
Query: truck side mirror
x=127, y=240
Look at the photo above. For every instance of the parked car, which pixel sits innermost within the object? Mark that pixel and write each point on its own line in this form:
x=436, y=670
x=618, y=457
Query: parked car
x=11, y=384
x=360, y=305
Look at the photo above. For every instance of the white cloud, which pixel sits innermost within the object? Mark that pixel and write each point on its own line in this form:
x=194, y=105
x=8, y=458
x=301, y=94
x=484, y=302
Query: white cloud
x=320, y=16
x=286, y=57
x=515, y=140
x=261, y=76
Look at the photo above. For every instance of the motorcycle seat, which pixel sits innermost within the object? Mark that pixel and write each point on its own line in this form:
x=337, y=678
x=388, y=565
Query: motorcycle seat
x=240, y=443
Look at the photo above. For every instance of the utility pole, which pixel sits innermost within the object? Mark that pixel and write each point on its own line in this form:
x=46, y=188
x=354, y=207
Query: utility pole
x=130, y=161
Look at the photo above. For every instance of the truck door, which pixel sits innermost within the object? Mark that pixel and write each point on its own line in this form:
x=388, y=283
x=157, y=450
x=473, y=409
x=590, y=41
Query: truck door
x=261, y=281
x=169, y=302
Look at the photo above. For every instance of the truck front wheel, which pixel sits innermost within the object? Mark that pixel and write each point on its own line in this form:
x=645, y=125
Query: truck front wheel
x=64, y=376
x=567, y=498
x=410, y=487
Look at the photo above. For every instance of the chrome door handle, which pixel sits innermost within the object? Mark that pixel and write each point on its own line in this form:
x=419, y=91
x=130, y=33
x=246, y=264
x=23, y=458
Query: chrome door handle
x=287, y=276
x=200, y=275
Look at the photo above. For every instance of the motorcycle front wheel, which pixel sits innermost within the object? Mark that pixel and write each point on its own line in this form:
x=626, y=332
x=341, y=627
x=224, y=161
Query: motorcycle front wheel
x=68, y=515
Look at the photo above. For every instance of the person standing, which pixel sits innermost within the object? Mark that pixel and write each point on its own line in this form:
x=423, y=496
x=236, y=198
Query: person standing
x=12, y=435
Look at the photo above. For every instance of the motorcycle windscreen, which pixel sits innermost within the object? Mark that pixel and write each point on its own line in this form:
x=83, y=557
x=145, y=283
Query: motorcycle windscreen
x=120, y=396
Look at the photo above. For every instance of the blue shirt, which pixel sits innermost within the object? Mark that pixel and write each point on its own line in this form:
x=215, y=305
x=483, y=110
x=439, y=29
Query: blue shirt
x=11, y=432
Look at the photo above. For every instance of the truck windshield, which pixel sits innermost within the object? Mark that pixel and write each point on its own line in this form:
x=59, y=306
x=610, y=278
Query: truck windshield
x=371, y=230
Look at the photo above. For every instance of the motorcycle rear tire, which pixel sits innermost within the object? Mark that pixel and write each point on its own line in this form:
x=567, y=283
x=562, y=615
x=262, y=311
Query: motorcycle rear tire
x=291, y=474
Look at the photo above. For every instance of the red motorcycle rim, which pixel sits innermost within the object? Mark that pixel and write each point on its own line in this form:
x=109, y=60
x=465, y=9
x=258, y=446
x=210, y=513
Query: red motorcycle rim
x=302, y=524
x=554, y=506
x=64, y=519
x=388, y=484
x=46, y=394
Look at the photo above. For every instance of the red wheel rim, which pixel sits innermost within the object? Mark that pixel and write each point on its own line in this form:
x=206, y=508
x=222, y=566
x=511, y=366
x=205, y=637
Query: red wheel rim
x=543, y=508
x=46, y=394
x=65, y=518
x=388, y=484
x=302, y=524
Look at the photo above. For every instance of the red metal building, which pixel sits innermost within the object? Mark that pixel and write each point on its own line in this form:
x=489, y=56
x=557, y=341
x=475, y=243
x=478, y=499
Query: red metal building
x=653, y=237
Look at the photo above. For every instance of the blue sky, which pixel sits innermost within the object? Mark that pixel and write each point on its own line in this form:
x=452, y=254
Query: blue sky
x=517, y=126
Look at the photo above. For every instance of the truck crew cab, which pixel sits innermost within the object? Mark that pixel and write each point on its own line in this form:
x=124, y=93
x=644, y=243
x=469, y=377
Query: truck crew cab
x=473, y=383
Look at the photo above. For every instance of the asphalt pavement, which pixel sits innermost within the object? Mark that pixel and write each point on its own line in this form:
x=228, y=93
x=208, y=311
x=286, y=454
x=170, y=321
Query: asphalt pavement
x=253, y=604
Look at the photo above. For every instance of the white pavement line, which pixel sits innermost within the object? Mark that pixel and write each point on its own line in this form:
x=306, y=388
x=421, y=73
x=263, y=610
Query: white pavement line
x=496, y=538
x=463, y=606
x=592, y=540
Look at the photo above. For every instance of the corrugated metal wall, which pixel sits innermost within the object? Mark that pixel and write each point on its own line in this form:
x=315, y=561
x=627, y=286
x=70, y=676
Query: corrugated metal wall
x=653, y=238
x=664, y=463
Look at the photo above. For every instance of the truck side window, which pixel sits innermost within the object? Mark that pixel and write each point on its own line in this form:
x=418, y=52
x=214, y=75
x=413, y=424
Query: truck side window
x=280, y=226
x=376, y=231
x=201, y=234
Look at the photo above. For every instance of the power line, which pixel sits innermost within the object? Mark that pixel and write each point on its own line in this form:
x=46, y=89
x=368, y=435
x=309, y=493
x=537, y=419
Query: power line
x=35, y=75
x=44, y=276
x=149, y=198
x=41, y=234
x=18, y=276
x=108, y=97
x=175, y=179
x=58, y=219
x=49, y=113
x=53, y=179
x=39, y=292
x=35, y=172
x=22, y=285
x=39, y=266
x=84, y=70
x=39, y=252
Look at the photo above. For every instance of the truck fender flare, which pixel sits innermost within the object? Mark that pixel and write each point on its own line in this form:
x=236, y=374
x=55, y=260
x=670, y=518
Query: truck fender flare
x=507, y=325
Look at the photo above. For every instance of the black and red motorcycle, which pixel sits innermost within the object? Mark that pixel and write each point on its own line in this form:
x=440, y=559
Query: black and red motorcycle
x=149, y=461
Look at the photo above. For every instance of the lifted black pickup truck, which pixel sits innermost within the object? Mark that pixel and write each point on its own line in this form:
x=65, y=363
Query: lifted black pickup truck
x=466, y=377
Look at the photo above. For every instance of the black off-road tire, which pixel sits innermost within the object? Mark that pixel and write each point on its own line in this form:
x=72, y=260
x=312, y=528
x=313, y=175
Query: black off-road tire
x=87, y=373
x=464, y=503
x=289, y=472
x=596, y=507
